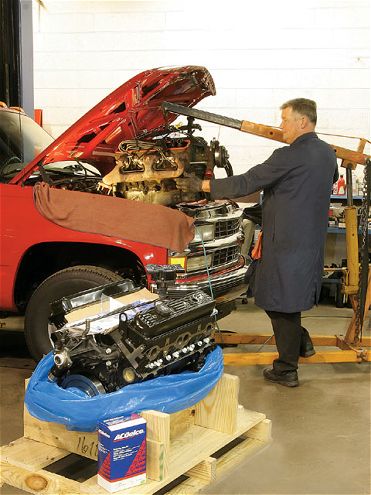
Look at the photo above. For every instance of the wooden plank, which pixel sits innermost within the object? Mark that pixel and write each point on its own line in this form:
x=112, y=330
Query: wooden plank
x=158, y=430
x=40, y=481
x=218, y=410
x=249, y=358
x=158, y=426
x=32, y=455
x=204, y=471
x=241, y=453
x=190, y=486
x=252, y=358
x=155, y=460
x=241, y=338
x=262, y=431
x=181, y=421
x=349, y=157
x=82, y=443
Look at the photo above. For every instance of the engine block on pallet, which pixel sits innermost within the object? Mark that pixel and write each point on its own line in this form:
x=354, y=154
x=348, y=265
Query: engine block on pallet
x=114, y=335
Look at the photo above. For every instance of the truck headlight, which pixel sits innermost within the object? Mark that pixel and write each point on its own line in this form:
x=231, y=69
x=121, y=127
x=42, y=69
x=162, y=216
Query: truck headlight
x=199, y=262
x=204, y=233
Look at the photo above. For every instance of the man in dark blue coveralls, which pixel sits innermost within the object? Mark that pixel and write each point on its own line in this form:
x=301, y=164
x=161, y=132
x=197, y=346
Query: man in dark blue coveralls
x=297, y=182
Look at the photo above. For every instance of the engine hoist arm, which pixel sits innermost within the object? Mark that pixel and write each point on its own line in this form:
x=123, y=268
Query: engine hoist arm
x=349, y=157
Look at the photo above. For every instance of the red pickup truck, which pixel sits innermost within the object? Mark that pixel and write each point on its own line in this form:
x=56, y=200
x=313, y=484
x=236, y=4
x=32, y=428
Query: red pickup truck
x=126, y=148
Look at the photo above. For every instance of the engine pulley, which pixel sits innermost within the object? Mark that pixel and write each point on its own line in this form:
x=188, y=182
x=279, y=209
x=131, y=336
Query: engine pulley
x=90, y=386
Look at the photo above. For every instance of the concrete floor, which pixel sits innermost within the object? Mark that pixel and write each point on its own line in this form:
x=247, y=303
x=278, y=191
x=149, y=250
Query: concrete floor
x=321, y=430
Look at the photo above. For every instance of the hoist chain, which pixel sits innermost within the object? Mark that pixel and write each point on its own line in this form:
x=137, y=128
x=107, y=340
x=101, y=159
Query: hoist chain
x=363, y=266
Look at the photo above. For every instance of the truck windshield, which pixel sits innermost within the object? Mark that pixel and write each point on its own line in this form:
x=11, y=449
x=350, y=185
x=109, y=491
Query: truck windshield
x=21, y=139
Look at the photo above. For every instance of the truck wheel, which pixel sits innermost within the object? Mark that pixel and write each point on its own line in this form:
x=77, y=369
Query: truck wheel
x=60, y=284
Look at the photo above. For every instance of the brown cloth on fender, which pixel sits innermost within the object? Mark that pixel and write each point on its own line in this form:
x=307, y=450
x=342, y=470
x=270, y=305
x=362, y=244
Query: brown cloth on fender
x=116, y=217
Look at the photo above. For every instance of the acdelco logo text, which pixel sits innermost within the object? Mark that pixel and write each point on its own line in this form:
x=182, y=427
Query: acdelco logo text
x=128, y=434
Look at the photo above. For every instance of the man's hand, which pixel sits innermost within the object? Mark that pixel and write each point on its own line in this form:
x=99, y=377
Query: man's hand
x=189, y=183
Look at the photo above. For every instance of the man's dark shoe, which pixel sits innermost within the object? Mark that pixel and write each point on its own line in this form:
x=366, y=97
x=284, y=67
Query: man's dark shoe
x=306, y=345
x=288, y=379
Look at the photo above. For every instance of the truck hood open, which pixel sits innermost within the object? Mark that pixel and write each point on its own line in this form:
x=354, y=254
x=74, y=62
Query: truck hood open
x=132, y=111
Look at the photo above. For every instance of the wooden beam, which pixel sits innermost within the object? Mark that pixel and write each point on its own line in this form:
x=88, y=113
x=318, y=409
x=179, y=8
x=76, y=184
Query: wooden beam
x=34, y=455
x=350, y=158
x=158, y=430
x=204, y=471
x=243, y=338
x=253, y=358
x=218, y=411
x=262, y=431
x=55, y=434
x=181, y=421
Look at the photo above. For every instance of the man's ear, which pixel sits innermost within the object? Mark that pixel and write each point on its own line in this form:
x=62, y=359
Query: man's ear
x=304, y=122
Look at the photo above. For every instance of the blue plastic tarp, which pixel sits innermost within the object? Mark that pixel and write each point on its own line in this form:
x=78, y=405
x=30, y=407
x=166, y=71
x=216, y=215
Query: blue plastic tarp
x=47, y=401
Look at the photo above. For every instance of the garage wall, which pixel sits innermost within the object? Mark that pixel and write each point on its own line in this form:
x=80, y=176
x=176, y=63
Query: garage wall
x=259, y=53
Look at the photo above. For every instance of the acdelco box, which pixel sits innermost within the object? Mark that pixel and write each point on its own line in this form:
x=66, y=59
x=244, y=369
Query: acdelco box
x=121, y=452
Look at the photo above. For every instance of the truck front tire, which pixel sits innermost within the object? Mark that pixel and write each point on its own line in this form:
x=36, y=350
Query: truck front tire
x=58, y=285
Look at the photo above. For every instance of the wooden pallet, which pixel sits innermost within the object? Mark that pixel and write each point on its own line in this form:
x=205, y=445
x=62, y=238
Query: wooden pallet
x=189, y=449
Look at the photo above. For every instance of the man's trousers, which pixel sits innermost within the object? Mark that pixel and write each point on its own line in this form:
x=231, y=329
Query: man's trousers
x=288, y=333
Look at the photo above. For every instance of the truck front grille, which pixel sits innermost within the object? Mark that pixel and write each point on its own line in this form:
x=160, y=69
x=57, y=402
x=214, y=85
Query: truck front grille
x=226, y=228
x=226, y=255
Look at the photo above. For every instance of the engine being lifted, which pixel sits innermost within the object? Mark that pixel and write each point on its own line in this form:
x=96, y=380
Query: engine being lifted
x=146, y=170
x=118, y=334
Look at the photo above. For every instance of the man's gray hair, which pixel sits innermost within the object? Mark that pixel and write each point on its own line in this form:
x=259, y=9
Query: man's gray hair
x=304, y=107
